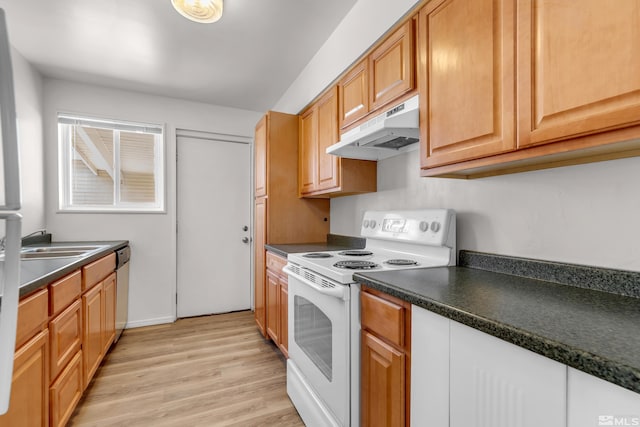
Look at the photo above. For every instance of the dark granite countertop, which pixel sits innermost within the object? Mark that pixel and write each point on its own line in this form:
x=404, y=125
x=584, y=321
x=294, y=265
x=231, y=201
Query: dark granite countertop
x=591, y=330
x=334, y=243
x=37, y=273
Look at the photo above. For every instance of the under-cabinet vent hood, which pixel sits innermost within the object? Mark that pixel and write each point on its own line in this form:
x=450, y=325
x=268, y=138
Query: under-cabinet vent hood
x=393, y=132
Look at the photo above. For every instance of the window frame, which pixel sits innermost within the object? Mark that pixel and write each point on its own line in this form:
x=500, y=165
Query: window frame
x=65, y=156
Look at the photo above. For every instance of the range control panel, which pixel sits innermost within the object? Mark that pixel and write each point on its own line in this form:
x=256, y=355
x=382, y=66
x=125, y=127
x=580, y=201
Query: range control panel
x=426, y=226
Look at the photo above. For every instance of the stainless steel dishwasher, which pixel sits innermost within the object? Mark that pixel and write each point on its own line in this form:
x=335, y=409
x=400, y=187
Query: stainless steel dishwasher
x=122, y=289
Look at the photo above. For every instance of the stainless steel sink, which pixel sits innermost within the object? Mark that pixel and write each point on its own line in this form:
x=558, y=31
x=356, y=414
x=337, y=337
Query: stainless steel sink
x=52, y=252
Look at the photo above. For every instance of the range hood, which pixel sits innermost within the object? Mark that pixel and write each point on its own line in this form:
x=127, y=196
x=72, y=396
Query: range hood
x=393, y=132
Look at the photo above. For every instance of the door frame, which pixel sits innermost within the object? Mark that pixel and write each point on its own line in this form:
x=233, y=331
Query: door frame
x=219, y=137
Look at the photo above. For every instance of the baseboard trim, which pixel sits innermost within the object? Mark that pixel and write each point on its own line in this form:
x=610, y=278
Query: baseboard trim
x=149, y=322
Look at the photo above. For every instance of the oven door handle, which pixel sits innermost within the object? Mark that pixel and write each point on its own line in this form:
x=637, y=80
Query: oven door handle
x=333, y=292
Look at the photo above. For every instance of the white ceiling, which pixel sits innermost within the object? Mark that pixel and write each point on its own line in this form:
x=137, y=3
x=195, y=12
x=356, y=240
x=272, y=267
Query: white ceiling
x=246, y=60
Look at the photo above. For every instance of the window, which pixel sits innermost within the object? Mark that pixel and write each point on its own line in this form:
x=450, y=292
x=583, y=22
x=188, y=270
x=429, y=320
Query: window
x=110, y=166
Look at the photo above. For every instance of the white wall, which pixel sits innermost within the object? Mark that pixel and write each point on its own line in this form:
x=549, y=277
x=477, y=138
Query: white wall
x=29, y=103
x=584, y=214
x=152, y=236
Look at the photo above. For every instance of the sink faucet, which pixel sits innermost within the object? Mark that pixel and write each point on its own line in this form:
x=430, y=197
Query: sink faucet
x=3, y=239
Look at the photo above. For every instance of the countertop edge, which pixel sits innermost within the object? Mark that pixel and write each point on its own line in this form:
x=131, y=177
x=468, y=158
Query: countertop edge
x=39, y=283
x=624, y=376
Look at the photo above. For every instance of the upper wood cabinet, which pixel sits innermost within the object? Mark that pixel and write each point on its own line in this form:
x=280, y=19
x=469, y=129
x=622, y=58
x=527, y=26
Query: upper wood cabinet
x=322, y=174
x=353, y=91
x=392, y=66
x=382, y=76
x=507, y=89
x=579, y=68
x=466, y=80
x=260, y=149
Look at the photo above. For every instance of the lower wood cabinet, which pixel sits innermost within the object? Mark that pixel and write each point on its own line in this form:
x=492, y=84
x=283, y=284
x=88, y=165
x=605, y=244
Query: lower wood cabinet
x=29, y=406
x=277, y=296
x=92, y=345
x=66, y=391
x=109, y=301
x=385, y=359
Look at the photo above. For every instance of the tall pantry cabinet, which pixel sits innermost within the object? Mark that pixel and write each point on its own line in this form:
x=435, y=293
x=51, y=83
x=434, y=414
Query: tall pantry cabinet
x=280, y=215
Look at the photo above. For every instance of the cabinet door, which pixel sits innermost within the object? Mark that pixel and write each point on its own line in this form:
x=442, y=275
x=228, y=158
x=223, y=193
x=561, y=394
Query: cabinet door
x=581, y=78
x=109, y=300
x=494, y=383
x=65, y=332
x=259, y=302
x=308, y=148
x=66, y=392
x=383, y=383
x=284, y=317
x=92, y=343
x=466, y=80
x=592, y=401
x=29, y=405
x=328, y=165
x=260, y=157
x=353, y=94
x=392, y=66
x=273, y=293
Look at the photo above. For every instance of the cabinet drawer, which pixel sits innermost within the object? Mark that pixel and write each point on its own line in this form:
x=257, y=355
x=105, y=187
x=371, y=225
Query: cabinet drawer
x=275, y=262
x=33, y=314
x=384, y=318
x=64, y=291
x=65, y=334
x=98, y=270
x=66, y=392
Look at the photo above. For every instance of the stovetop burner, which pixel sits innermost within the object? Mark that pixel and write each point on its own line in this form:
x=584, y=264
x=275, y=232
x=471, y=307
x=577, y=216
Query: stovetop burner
x=401, y=262
x=356, y=265
x=354, y=252
x=317, y=255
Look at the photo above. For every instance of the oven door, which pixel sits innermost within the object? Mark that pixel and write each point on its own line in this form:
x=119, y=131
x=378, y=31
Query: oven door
x=319, y=339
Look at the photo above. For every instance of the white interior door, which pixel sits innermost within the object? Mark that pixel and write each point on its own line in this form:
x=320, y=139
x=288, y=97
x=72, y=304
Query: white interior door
x=214, y=249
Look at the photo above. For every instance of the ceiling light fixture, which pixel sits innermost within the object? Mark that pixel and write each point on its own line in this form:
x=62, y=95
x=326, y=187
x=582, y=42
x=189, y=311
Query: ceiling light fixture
x=203, y=11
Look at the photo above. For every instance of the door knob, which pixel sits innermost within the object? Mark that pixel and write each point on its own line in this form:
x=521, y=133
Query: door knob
x=245, y=240
x=245, y=228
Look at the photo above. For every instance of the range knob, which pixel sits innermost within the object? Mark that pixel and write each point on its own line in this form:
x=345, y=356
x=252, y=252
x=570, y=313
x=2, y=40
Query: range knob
x=373, y=223
x=424, y=226
x=365, y=224
x=435, y=226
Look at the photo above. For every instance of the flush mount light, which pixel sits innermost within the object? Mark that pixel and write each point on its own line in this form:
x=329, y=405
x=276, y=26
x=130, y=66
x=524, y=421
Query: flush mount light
x=203, y=11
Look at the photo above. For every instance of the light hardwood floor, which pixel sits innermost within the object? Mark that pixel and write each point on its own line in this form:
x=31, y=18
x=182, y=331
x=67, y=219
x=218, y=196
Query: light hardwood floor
x=204, y=371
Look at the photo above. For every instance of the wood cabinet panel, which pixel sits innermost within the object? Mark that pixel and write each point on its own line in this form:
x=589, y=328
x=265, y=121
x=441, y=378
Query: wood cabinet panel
x=328, y=165
x=275, y=263
x=353, y=93
x=283, y=341
x=392, y=66
x=383, y=383
x=64, y=291
x=92, y=341
x=96, y=271
x=33, y=314
x=307, y=163
x=466, y=80
x=65, y=337
x=581, y=78
x=29, y=405
x=383, y=318
x=66, y=392
x=260, y=158
x=259, y=294
x=273, y=315
x=109, y=300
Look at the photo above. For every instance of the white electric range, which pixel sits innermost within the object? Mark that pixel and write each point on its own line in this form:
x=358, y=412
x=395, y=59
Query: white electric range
x=323, y=370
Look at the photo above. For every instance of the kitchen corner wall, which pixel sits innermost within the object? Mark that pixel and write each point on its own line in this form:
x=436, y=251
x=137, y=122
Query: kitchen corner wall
x=583, y=214
x=152, y=236
x=29, y=102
